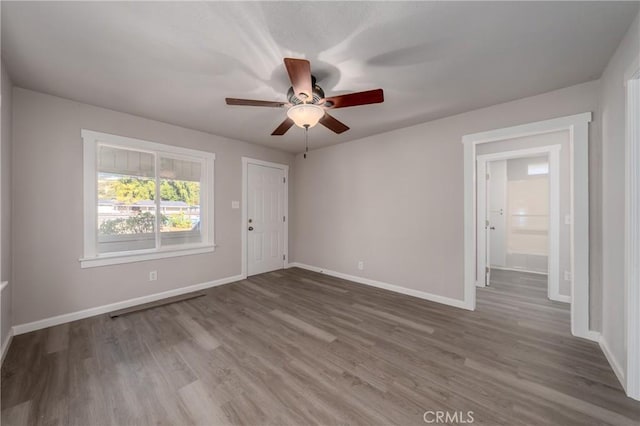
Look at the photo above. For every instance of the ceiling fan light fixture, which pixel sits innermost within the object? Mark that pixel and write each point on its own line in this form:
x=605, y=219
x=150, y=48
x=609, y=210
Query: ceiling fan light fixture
x=305, y=115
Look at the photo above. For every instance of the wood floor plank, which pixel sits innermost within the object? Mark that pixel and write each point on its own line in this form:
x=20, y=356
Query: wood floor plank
x=17, y=415
x=306, y=327
x=395, y=318
x=58, y=338
x=198, y=333
x=296, y=347
x=203, y=410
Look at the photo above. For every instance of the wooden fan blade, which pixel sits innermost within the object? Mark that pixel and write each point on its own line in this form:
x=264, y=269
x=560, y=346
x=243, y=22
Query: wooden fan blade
x=354, y=99
x=283, y=127
x=252, y=102
x=300, y=75
x=332, y=124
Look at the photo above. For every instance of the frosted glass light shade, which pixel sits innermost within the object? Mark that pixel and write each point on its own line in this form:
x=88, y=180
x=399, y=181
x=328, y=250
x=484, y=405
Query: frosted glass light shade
x=305, y=114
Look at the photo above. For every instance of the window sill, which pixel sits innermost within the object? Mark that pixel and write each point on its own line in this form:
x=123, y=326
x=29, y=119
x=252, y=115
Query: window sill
x=115, y=259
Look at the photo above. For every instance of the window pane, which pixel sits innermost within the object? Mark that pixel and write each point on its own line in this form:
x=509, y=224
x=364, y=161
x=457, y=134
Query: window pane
x=126, y=194
x=180, y=201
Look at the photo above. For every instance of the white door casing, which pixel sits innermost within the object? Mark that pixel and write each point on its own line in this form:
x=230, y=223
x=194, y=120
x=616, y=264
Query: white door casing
x=578, y=127
x=497, y=206
x=632, y=228
x=265, y=219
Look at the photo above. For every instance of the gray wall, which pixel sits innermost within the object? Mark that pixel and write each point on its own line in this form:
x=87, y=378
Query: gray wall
x=395, y=200
x=562, y=139
x=47, y=196
x=613, y=183
x=5, y=204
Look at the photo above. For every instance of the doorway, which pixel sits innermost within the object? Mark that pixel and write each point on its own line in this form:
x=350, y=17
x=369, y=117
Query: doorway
x=519, y=210
x=577, y=127
x=264, y=216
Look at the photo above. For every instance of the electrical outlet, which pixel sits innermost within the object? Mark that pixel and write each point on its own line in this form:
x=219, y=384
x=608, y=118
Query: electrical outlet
x=567, y=276
x=153, y=276
x=361, y=265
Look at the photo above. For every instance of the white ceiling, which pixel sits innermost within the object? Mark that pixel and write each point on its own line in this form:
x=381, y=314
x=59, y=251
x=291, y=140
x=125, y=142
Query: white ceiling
x=176, y=62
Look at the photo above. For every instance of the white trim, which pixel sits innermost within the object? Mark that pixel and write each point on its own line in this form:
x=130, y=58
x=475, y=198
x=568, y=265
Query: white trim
x=137, y=256
x=144, y=145
x=7, y=339
x=86, y=313
x=504, y=268
x=520, y=153
x=553, y=258
x=91, y=257
x=577, y=125
x=481, y=237
x=386, y=286
x=553, y=286
x=632, y=231
x=243, y=225
x=592, y=335
x=561, y=298
x=613, y=362
x=529, y=129
x=6, y=344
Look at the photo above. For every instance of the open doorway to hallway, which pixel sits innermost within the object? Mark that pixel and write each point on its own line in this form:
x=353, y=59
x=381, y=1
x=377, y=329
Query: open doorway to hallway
x=517, y=212
x=569, y=227
x=522, y=195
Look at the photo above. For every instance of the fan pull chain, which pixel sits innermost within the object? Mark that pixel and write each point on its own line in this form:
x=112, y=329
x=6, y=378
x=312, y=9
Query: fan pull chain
x=306, y=140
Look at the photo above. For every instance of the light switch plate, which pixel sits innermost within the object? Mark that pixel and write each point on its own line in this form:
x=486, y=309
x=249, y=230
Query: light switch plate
x=235, y=204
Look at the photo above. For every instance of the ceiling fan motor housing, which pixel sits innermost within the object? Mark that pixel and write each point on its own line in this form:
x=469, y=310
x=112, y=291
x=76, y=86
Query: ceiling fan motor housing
x=317, y=94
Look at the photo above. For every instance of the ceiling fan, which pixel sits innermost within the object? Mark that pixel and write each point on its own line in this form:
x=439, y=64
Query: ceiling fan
x=307, y=104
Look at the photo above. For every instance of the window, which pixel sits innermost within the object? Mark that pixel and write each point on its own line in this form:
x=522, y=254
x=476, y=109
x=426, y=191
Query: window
x=144, y=200
x=538, y=169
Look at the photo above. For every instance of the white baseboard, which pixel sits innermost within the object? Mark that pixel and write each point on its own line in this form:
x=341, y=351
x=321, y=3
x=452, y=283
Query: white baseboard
x=615, y=365
x=560, y=298
x=505, y=268
x=7, y=340
x=391, y=287
x=5, y=344
x=85, y=313
x=594, y=336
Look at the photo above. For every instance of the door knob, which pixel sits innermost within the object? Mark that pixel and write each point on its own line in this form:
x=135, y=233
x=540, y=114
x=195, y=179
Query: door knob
x=493, y=228
x=251, y=228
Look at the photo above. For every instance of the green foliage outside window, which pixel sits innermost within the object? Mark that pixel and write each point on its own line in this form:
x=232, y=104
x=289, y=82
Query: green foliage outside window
x=142, y=223
x=131, y=190
x=179, y=220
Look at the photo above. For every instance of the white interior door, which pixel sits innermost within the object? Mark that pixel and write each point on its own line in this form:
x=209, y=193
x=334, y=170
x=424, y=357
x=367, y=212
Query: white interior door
x=265, y=219
x=497, y=204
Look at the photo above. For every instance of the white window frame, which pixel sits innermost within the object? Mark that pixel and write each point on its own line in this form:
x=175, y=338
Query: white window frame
x=91, y=257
